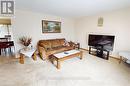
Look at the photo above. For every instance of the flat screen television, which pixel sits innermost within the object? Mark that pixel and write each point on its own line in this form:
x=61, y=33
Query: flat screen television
x=107, y=41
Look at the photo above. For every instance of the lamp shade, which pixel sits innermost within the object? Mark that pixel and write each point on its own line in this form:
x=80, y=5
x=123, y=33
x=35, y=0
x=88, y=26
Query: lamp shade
x=5, y=21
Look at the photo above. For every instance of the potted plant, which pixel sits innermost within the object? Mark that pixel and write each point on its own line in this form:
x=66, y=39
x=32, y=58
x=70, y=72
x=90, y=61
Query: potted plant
x=25, y=41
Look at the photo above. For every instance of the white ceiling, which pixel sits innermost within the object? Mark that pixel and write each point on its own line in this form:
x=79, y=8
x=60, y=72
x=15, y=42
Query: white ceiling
x=71, y=8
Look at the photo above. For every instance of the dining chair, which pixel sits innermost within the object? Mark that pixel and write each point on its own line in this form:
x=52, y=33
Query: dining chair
x=3, y=47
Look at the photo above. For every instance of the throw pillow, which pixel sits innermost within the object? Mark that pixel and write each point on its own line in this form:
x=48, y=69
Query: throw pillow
x=66, y=43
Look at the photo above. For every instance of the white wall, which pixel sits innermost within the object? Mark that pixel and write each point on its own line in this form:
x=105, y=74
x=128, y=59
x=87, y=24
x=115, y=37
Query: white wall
x=28, y=23
x=115, y=23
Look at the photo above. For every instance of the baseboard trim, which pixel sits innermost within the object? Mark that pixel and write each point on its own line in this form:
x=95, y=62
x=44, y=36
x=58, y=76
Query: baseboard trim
x=114, y=57
x=84, y=49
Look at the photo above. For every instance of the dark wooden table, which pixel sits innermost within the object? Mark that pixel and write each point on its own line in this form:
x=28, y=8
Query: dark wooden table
x=6, y=44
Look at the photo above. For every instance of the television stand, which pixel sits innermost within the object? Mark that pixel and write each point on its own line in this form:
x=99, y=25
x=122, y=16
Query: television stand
x=100, y=52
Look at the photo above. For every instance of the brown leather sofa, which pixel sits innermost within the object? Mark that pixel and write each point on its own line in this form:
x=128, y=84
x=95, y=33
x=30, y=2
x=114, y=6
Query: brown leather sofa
x=49, y=47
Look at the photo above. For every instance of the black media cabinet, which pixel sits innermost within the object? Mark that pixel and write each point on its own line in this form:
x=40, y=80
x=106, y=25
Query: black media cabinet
x=99, y=51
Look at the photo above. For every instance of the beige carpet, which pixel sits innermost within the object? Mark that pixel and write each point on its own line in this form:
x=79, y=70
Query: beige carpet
x=91, y=71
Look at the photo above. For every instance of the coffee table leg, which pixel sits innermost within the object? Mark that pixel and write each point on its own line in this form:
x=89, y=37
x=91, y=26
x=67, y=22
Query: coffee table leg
x=58, y=64
x=81, y=55
x=52, y=60
x=120, y=59
x=21, y=59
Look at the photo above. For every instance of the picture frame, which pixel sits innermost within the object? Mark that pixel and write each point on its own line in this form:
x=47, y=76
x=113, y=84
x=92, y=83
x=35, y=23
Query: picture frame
x=100, y=21
x=51, y=26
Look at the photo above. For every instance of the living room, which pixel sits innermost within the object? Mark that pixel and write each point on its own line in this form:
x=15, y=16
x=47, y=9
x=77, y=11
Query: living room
x=77, y=20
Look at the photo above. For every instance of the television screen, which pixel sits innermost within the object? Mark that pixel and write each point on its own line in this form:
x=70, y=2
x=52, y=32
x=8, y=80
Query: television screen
x=105, y=41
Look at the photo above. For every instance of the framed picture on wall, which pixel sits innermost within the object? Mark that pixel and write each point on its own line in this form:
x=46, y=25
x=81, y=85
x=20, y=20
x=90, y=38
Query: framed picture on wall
x=51, y=26
x=100, y=21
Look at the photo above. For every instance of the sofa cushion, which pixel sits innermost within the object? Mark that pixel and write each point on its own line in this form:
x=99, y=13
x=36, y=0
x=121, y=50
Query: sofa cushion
x=62, y=42
x=58, y=49
x=55, y=43
x=55, y=50
x=45, y=44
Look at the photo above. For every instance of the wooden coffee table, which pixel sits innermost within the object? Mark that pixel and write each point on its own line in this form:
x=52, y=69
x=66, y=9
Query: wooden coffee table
x=65, y=55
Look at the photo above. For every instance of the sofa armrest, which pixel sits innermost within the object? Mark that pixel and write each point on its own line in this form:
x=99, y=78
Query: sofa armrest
x=42, y=52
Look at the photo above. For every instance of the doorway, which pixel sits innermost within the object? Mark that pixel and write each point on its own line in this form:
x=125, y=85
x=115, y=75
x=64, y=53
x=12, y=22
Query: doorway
x=6, y=39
